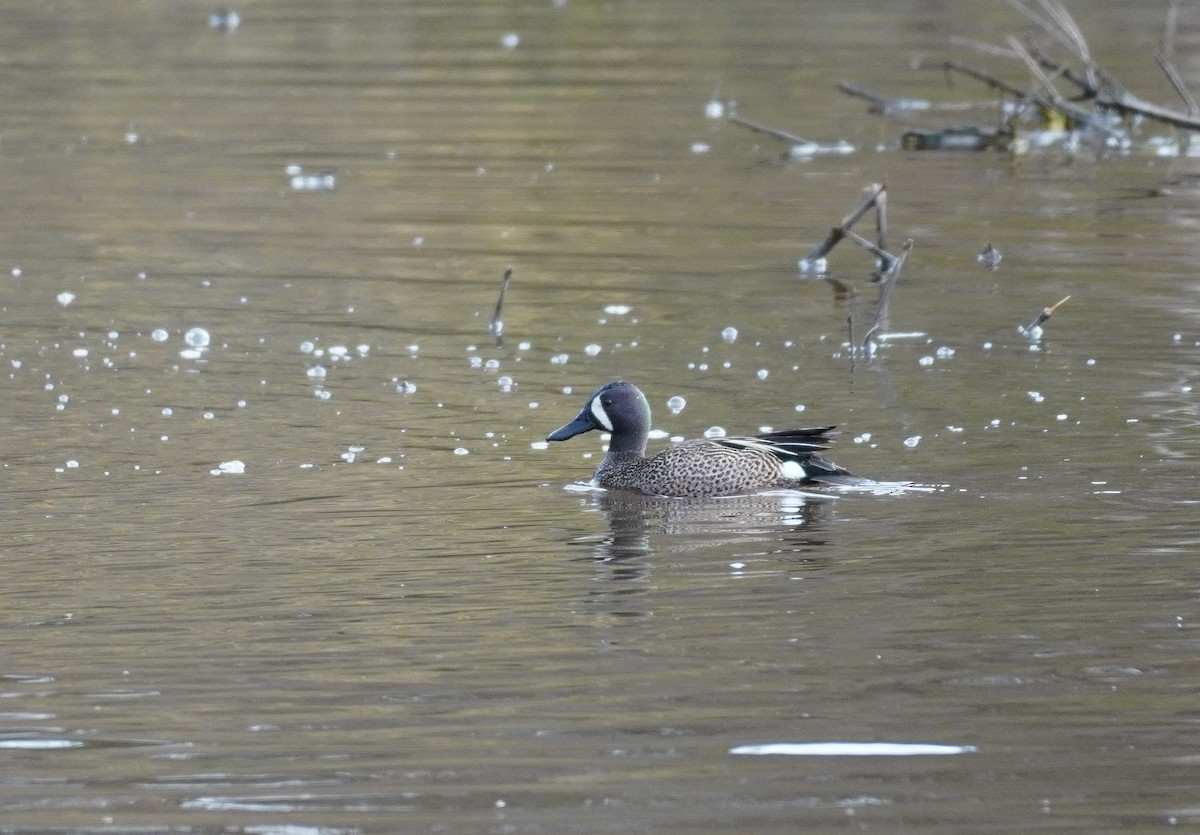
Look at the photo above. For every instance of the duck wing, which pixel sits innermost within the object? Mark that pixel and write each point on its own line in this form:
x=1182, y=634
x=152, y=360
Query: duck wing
x=802, y=447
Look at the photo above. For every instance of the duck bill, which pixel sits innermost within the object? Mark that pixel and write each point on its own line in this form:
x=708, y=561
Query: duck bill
x=582, y=423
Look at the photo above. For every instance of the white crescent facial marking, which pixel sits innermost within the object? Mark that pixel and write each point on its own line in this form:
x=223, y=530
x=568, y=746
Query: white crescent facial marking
x=792, y=471
x=600, y=415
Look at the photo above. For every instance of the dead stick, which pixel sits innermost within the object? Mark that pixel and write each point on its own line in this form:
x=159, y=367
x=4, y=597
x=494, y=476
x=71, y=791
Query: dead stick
x=496, y=326
x=1177, y=82
x=772, y=132
x=1046, y=313
x=838, y=232
x=885, y=293
x=886, y=258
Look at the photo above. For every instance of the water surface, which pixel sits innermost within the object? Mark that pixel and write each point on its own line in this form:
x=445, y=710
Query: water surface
x=399, y=617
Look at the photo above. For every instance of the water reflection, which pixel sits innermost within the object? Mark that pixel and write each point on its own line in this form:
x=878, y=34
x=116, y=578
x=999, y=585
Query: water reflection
x=791, y=520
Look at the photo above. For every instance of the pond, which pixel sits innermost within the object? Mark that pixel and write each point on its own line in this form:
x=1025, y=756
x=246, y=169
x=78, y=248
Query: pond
x=285, y=550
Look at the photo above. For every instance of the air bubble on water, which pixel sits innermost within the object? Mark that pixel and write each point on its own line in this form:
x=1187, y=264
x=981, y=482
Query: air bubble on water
x=813, y=266
x=80, y=352
x=317, y=372
x=913, y=441
x=505, y=383
x=944, y=352
x=307, y=347
x=65, y=297
x=234, y=467
x=339, y=352
x=1036, y=396
x=167, y=411
x=714, y=109
x=863, y=438
x=592, y=350
x=762, y=373
x=714, y=432
x=405, y=387
x=925, y=361
x=323, y=394
x=72, y=464
x=191, y=353
x=197, y=338
x=16, y=272
x=617, y=309
x=362, y=350
x=492, y=364
x=700, y=147
x=730, y=334
x=159, y=335
x=560, y=359
x=510, y=40
x=800, y=407
x=539, y=445
x=676, y=404
x=524, y=346
x=1061, y=416
x=461, y=451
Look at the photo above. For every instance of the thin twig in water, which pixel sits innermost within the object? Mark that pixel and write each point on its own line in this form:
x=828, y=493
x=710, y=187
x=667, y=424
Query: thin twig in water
x=1034, y=329
x=496, y=326
x=885, y=294
x=873, y=199
x=790, y=138
x=1177, y=82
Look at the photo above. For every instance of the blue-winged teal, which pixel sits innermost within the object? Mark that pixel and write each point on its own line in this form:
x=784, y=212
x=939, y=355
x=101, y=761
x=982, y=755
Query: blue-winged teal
x=702, y=467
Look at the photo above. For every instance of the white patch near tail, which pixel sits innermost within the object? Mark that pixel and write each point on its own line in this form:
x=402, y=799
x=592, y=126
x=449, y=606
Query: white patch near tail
x=600, y=415
x=792, y=471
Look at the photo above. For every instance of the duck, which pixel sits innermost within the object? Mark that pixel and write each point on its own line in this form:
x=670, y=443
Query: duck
x=703, y=467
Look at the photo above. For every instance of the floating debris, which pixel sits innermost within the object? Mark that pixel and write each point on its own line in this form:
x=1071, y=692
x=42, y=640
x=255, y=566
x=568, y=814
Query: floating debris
x=233, y=467
x=1033, y=331
x=969, y=138
x=853, y=749
x=798, y=146
x=300, y=181
x=225, y=20
x=989, y=257
x=65, y=298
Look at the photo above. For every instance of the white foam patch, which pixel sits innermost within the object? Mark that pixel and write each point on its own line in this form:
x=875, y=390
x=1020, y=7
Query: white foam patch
x=854, y=749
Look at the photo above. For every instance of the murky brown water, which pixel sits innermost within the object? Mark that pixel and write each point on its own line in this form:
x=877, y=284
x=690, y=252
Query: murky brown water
x=398, y=619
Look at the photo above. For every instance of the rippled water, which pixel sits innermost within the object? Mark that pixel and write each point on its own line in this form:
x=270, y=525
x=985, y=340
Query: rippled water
x=320, y=575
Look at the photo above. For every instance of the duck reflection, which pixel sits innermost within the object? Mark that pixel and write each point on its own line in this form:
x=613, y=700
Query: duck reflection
x=783, y=521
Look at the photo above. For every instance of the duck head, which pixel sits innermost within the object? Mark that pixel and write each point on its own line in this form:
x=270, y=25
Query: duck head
x=619, y=408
